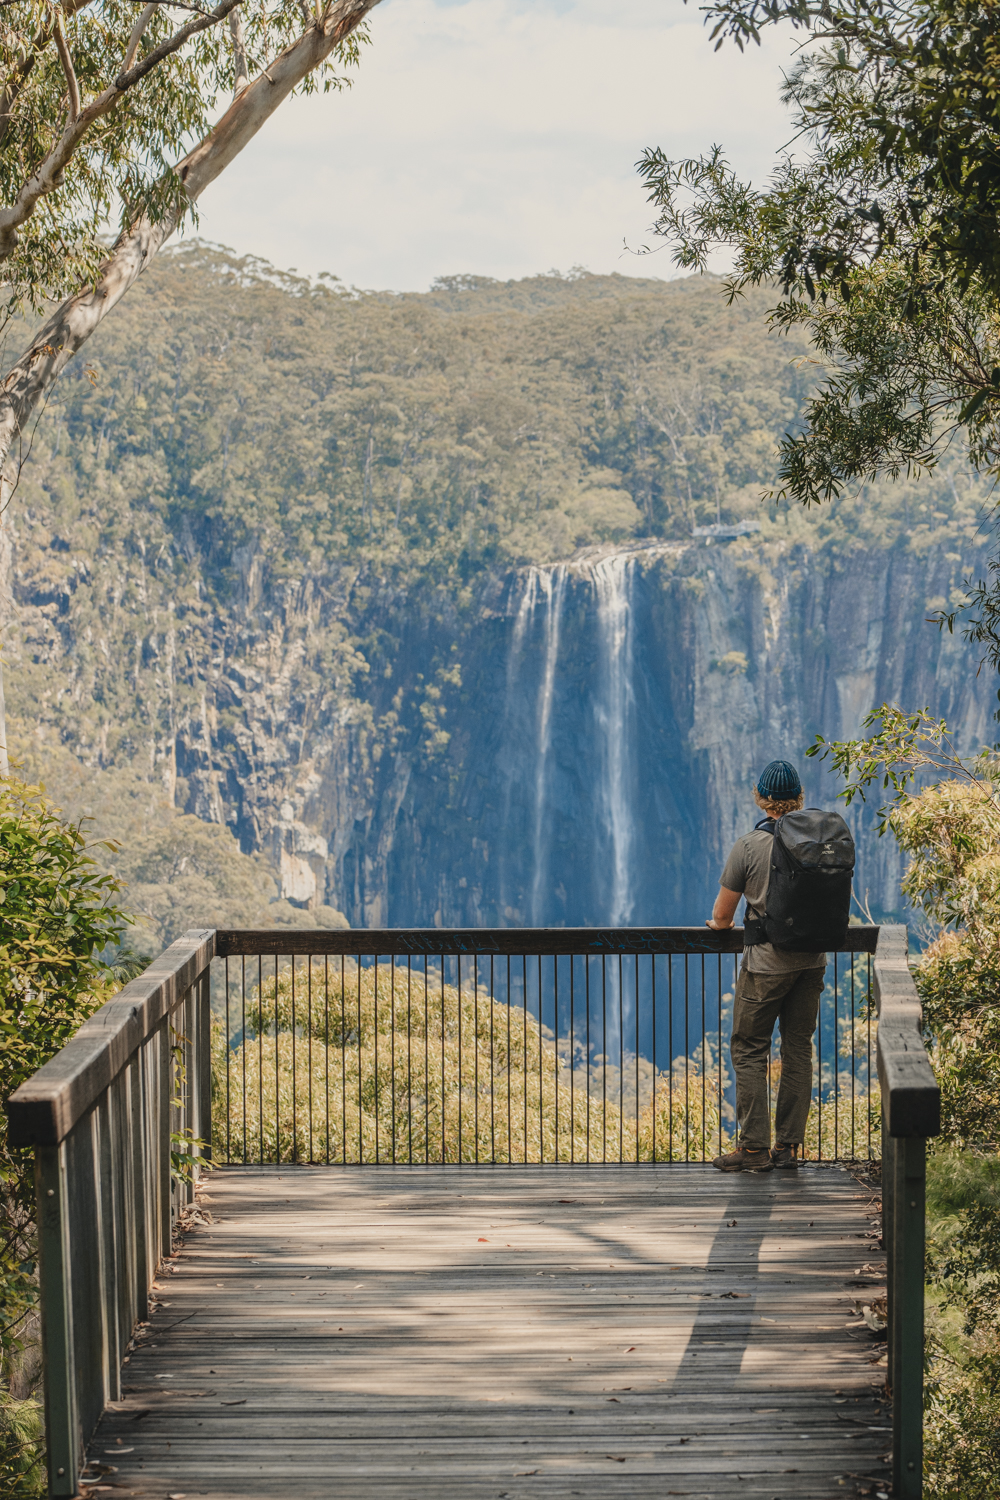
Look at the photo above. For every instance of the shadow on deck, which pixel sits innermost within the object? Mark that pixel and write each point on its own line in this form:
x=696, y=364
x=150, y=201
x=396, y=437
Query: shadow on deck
x=509, y=1332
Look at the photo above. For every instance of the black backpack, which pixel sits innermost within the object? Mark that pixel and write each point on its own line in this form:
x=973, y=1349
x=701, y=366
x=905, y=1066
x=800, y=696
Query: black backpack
x=809, y=891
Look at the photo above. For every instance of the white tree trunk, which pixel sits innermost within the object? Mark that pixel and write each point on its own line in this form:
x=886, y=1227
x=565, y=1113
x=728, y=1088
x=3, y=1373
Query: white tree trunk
x=71, y=325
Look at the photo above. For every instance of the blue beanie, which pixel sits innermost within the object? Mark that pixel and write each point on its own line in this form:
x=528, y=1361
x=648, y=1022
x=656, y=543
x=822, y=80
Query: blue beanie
x=779, y=782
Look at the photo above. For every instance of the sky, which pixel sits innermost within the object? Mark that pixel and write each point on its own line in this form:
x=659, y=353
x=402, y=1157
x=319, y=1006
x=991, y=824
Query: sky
x=496, y=138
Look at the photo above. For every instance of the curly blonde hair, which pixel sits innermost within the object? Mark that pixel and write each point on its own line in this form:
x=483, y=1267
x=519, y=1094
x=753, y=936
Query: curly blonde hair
x=778, y=809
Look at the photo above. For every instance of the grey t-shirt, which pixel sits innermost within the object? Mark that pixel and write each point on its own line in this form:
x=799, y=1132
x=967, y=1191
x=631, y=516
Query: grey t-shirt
x=748, y=870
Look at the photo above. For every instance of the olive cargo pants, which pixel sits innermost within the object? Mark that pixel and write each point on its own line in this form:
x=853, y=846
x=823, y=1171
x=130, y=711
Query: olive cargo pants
x=793, y=1001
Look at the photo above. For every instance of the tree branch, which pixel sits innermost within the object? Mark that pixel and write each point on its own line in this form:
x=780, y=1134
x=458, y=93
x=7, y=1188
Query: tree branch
x=67, y=67
x=69, y=327
x=49, y=174
x=145, y=16
x=22, y=70
x=240, y=75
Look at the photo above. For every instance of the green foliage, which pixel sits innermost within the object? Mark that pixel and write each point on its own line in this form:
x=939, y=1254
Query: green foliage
x=962, y=1392
x=22, y=1467
x=951, y=831
x=57, y=911
x=338, y=1063
x=882, y=232
x=136, y=122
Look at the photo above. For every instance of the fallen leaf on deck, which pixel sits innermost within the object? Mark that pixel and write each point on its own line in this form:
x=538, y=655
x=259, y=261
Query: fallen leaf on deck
x=483, y=1241
x=523, y=1473
x=629, y=1350
x=242, y=1402
x=615, y=1400
x=614, y=1458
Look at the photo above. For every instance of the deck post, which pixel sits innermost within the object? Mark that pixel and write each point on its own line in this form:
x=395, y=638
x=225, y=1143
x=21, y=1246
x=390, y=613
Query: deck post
x=911, y=1112
x=907, y=1315
x=203, y=1063
x=62, y=1425
x=888, y=1189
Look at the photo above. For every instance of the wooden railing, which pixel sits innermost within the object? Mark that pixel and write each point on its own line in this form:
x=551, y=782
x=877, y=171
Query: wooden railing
x=135, y=1084
x=911, y=1113
x=104, y=1115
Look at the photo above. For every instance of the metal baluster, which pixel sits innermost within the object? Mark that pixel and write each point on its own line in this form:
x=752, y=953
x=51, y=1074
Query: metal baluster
x=475, y=1037
x=326, y=1053
x=621, y=1060
x=378, y=1098
x=555, y=1044
x=704, y=1060
x=572, y=1060
x=718, y=1055
x=854, y=1024
x=541, y=1055
x=604, y=1064
x=836, y=1071
x=652, y=980
x=260, y=1048
x=229, y=1053
x=392, y=1049
x=277, y=1065
x=687, y=1055
x=819, y=1065
x=510, y=1124
x=309, y=1048
x=670, y=1056
x=524, y=997
x=295, y=1097
x=409, y=1060
x=427, y=1076
x=243, y=1051
x=493, y=1086
x=635, y=1002
x=586, y=984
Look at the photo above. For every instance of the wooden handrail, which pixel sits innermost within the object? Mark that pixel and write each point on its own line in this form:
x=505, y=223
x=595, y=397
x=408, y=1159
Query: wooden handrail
x=44, y=1110
x=911, y=1098
x=549, y=941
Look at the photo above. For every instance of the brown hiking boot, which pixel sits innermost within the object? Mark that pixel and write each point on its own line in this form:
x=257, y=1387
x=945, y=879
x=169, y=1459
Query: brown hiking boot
x=743, y=1159
x=784, y=1156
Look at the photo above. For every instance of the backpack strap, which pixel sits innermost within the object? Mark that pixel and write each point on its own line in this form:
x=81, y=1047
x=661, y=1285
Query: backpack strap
x=754, y=931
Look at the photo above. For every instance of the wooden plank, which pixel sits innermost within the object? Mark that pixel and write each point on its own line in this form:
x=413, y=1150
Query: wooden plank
x=600, y=1358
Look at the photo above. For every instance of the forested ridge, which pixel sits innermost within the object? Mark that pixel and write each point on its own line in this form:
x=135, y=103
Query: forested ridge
x=228, y=500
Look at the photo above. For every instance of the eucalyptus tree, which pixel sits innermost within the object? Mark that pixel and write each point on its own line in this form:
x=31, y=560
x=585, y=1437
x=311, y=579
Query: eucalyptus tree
x=880, y=228
x=112, y=107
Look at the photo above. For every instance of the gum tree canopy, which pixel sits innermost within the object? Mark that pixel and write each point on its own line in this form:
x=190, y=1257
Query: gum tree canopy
x=880, y=226
x=106, y=109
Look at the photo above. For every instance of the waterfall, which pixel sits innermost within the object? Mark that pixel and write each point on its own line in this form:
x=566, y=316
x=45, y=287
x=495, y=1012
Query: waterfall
x=552, y=587
x=606, y=837
x=613, y=708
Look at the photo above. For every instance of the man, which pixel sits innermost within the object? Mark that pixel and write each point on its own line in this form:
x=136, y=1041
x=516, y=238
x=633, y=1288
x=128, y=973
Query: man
x=773, y=985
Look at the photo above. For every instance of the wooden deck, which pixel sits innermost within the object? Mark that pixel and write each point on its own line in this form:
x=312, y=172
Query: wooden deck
x=509, y=1332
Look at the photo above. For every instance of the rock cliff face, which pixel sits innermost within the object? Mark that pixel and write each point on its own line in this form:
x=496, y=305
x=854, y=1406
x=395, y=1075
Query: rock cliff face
x=577, y=747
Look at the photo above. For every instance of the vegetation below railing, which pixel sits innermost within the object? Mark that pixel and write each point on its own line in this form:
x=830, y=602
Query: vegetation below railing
x=441, y=1076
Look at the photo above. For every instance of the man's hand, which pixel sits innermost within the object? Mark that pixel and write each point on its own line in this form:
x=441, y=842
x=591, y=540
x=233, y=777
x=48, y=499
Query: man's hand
x=724, y=909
